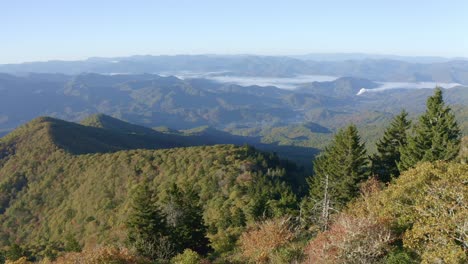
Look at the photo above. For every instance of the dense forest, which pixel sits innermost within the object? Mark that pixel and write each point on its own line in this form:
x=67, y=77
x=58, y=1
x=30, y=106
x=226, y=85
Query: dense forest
x=106, y=191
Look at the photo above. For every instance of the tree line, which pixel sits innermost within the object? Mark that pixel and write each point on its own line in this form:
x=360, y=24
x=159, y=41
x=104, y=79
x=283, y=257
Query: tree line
x=341, y=168
x=339, y=172
x=261, y=220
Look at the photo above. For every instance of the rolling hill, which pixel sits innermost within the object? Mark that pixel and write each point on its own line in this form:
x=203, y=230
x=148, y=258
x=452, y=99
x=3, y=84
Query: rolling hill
x=60, y=180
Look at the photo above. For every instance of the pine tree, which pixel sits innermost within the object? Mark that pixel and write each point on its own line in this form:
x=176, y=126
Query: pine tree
x=436, y=136
x=338, y=172
x=15, y=252
x=185, y=220
x=71, y=244
x=146, y=224
x=384, y=163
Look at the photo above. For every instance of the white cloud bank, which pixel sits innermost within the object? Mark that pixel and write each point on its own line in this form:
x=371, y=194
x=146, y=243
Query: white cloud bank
x=291, y=83
x=406, y=85
x=283, y=83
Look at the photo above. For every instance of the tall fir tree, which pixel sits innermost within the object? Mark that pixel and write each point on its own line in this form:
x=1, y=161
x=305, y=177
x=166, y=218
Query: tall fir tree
x=338, y=172
x=384, y=162
x=436, y=136
x=184, y=216
x=146, y=223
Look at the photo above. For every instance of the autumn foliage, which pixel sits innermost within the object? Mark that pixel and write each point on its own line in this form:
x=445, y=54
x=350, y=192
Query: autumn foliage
x=424, y=213
x=101, y=255
x=260, y=241
x=357, y=237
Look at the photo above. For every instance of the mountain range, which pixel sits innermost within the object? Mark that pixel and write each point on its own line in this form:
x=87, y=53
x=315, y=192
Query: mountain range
x=64, y=182
x=232, y=110
x=364, y=56
x=372, y=68
x=76, y=147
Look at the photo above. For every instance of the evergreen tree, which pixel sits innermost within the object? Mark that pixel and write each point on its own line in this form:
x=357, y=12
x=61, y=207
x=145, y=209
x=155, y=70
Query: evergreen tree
x=338, y=172
x=146, y=224
x=269, y=197
x=15, y=252
x=384, y=163
x=71, y=244
x=185, y=220
x=436, y=136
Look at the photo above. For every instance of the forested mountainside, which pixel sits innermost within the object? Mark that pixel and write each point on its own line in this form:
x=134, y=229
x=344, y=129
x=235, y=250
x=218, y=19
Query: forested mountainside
x=305, y=117
x=108, y=191
x=51, y=194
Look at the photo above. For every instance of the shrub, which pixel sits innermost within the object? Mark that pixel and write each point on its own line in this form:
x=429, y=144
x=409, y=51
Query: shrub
x=351, y=240
x=101, y=255
x=290, y=253
x=259, y=242
x=399, y=257
x=187, y=257
x=22, y=260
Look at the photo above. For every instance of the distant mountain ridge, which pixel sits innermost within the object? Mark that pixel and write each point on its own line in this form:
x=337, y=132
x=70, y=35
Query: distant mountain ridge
x=372, y=68
x=341, y=87
x=365, y=56
x=267, y=115
x=114, y=124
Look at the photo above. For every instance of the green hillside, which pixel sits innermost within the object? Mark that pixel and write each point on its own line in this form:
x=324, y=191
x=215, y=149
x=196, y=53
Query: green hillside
x=79, y=139
x=294, y=150
x=55, y=186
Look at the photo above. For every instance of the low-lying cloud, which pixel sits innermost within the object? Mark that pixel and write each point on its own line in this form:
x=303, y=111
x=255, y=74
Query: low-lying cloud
x=291, y=83
x=407, y=85
x=283, y=83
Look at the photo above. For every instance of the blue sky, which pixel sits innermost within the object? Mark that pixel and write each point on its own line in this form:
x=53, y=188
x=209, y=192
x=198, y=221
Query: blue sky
x=70, y=30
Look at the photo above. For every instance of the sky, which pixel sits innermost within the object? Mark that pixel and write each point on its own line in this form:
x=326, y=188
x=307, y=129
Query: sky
x=73, y=30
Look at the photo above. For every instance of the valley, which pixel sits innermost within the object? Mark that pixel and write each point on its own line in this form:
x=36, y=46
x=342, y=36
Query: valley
x=88, y=161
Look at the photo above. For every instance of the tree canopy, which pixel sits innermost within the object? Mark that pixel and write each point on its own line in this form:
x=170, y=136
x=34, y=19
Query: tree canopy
x=384, y=162
x=435, y=137
x=338, y=172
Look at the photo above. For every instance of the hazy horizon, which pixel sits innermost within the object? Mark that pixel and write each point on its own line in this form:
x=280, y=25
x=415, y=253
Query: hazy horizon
x=57, y=30
x=364, y=54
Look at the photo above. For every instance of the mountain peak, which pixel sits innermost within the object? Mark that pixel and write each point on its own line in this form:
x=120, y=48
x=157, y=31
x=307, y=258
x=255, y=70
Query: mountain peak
x=34, y=137
x=100, y=133
x=116, y=125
